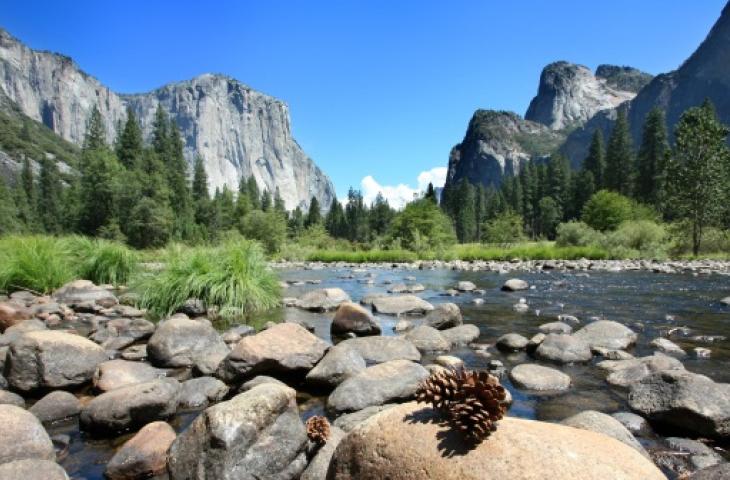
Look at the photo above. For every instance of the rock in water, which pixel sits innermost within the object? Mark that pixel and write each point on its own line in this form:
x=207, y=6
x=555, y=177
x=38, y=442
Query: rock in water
x=406, y=439
x=201, y=392
x=427, y=339
x=32, y=469
x=23, y=436
x=461, y=335
x=256, y=434
x=444, y=315
x=536, y=377
x=401, y=305
x=623, y=373
x=323, y=299
x=601, y=423
x=563, y=349
x=685, y=401
x=383, y=349
x=285, y=348
x=514, y=285
x=56, y=406
x=351, y=317
x=340, y=362
x=512, y=342
x=607, y=334
x=52, y=359
x=144, y=455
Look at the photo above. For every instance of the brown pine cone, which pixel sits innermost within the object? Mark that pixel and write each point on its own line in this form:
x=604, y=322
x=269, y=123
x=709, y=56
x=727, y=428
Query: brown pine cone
x=318, y=429
x=441, y=389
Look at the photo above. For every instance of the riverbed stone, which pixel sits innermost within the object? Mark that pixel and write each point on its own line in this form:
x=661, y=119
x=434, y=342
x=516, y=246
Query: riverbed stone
x=449, y=361
x=182, y=342
x=23, y=436
x=256, y=434
x=51, y=359
x=401, y=305
x=236, y=333
x=259, y=380
x=383, y=383
x=144, y=455
x=201, y=392
x=32, y=469
x=83, y=292
x=605, y=424
x=410, y=438
x=10, y=398
x=531, y=376
x=563, y=349
x=322, y=299
x=461, y=335
x=443, y=316
x=668, y=347
x=349, y=421
x=135, y=327
x=636, y=424
x=607, y=334
x=353, y=318
x=317, y=468
x=685, y=401
x=427, y=339
x=515, y=285
x=700, y=455
x=725, y=301
x=285, y=348
x=623, y=373
x=56, y=406
x=404, y=288
x=382, y=349
x=555, y=327
x=131, y=407
x=12, y=313
x=535, y=342
x=118, y=373
x=340, y=362
x=465, y=286
x=717, y=472
x=512, y=342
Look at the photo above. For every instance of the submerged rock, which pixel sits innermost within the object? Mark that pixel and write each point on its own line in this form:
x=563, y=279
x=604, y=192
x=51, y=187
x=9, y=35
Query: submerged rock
x=465, y=286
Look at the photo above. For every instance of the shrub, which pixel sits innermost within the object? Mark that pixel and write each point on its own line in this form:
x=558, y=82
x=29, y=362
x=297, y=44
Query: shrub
x=606, y=210
x=637, y=238
x=505, y=228
x=577, y=234
x=269, y=228
x=36, y=263
x=423, y=223
x=234, y=277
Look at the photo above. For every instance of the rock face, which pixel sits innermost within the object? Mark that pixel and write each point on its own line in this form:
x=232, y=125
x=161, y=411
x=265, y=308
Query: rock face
x=406, y=439
x=23, y=436
x=685, y=401
x=282, y=349
x=144, y=455
x=236, y=130
x=52, y=359
x=256, y=434
x=569, y=95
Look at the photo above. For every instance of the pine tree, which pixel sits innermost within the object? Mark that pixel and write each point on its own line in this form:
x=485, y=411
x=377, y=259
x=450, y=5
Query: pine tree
x=49, y=197
x=177, y=180
x=335, y=220
x=25, y=214
x=480, y=209
x=699, y=169
x=27, y=182
x=97, y=202
x=356, y=216
x=652, y=161
x=279, y=206
x=314, y=215
x=529, y=186
x=130, y=143
x=465, y=221
x=266, y=202
x=431, y=193
x=9, y=222
x=595, y=162
x=95, y=138
x=381, y=215
x=583, y=189
x=201, y=197
x=296, y=223
x=254, y=194
x=549, y=216
x=620, y=163
x=559, y=183
x=161, y=133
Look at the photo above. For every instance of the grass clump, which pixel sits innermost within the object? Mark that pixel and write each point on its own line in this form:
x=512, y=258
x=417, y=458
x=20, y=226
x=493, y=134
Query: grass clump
x=233, y=277
x=34, y=262
x=103, y=261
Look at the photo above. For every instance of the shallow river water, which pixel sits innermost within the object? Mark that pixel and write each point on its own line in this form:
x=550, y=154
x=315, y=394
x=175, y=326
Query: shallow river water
x=649, y=303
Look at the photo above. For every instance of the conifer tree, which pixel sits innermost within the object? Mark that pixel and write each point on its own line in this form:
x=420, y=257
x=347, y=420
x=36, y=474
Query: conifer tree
x=28, y=183
x=583, y=189
x=130, y=144
x=335, y=220
x=177, y=179
x=254, y=194
x=381, y=215
x=266, y=202
x=201, y=197
x=279, y=206
x=356, y=217
x=314, y=215
x=25, y=213
x=296, y=223
x=161, y=133
x=97, y=202
x=9, y=222
x=620, y=163
x=529, y=186
x=595, y=162
x=431, y=193
x=652, y=161
x=559, y=183
x=465, y=221
x=49, y=196
x=95, y=138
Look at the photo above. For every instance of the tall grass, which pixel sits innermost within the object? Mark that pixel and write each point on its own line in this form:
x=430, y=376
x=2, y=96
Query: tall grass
x=103, y=261
x=34, y=262
x=234, y=277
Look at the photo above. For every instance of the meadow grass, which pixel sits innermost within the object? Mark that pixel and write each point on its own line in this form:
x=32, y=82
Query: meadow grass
x=34, y=262
x=103, y=261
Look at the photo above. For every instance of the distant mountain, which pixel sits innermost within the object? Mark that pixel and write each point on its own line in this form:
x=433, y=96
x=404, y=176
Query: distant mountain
x=235, y=129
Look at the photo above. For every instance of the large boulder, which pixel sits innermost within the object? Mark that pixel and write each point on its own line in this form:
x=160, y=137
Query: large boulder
x=182, y=342
x=83, y=293
x=622, y=373
x=685, y=401
x=536, y=377
x=427, y=339
x=563, y=349
x=201, y=392
x=401, y=305
x=340, y=362
x=462, y=334
x=23, y=436
x=607, y=334
x=605, y=424
x=444, y=315
x=409, y=441
x=515, y=285
x=285, y=348
x=56, y=406
x=322, y=299
x=383, y=349
x=376, y=385
x=131, y=407
x=51, y=359
x=144, y=455
x=256, y=434
x=32, y=469
x=119, y=373
x=317, y=468
x=11, y=314
x=353, y=318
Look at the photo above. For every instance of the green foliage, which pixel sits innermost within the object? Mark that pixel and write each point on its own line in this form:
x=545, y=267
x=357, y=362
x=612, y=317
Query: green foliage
x=37, y=263
x=422, y=219
x=314, y=216
x=150, y=224
x=576, y=234
x=101, y=261
x=530, y=251
x=95, y=138
x=606, y=210
x=651, y=180
x=504, y=228
x=49, y=196
x=130, y=144
x=595, y=162
x=268, y=227
x=233, y=277
x=366, y=256
x=9, y=222
x=637, y=238
x=98, y=187
x=620, y=166
x=549, y=216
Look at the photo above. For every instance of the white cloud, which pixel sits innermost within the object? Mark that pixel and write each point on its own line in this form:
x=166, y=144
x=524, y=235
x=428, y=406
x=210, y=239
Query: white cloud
x=399, y=195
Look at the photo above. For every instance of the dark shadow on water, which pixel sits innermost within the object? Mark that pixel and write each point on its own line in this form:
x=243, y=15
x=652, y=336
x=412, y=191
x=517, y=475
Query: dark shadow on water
x=451, y=442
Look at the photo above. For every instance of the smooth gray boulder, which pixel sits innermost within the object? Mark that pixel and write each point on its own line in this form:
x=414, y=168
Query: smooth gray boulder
x=348, y=421
x=10, y=398
x=668, y=347
x=444, y=315
x=285, y=348
x=340, y=362
x=382, y=349
x=23, y=436
x=636, y=424
x=537, y=377
x=605, y=424
x=685, y=401
x=51, y=359
x=322, y=299
x=555, y=327
x=461, y=335
x=427, y=339
x=563, y=349
x=401, y=305
x=255, y=435
x=201, y=392
x=607, y=334
x=119, y=373
x=32, y=469
x=623, y=373
x=260, y=380
x=353, y=318
x=465, y=286
x=512, y=342
x=318, y=466
x=383, y=383
x=131, y=407
x=56, y=406
x=515, y=285
x=83, y=292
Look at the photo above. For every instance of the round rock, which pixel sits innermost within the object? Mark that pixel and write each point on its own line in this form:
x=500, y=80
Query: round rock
x=144, y=455
x=351, y=317
x=607, y=334
x=563, y=349
x=32, y=469
x=536, y=377
x=56, y=406
x=340, y=362
x=23, y=436
x=427, y=339
x=514, y=285
x=512, y=342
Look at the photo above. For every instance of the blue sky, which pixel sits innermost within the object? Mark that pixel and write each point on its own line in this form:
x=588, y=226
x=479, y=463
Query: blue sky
x=375, y=88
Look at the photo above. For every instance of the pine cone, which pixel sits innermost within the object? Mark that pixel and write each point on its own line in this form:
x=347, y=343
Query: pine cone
x=441, y=389
x=318, y=429
x=481, y=405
